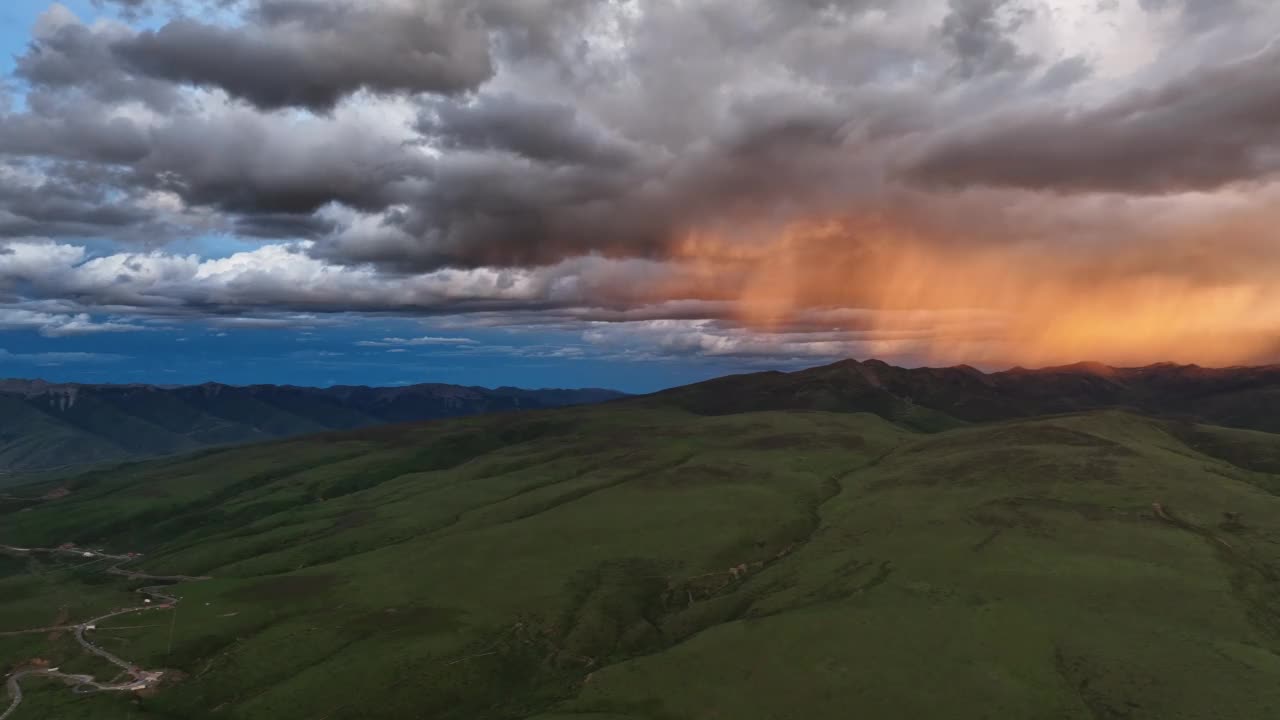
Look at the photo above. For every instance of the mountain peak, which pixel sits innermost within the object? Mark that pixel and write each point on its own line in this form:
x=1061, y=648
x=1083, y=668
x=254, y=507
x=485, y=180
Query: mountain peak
x=1084, y=368
x=936, y=398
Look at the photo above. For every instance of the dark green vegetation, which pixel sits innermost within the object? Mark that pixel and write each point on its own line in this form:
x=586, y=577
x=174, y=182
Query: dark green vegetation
x=640, y=561
x=937, y=398
x=45, y=426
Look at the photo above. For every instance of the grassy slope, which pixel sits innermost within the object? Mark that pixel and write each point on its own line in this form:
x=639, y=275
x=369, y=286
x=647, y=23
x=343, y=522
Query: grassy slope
x=85, y=425
x=31, y=438
x=575, y=565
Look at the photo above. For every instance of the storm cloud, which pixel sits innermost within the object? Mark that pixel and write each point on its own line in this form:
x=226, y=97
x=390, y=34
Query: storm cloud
x=1215, y=126
x=727, y=167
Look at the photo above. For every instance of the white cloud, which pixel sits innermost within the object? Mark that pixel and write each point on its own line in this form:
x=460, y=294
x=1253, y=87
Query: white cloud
x=707, y=338
x=416, y=342
x=58, y=358
x=281, y=283
x=56, y=325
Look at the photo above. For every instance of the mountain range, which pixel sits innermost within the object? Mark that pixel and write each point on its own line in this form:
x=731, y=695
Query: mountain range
x=938, y=398
x=854, y=540
x=46, y=425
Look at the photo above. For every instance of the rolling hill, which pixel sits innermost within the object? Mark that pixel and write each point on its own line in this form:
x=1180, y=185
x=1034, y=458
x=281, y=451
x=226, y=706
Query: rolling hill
x=45, y=425
x=700, y=553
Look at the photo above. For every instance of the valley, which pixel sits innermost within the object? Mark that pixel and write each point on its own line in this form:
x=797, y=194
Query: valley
x=139, y=680
x=638, y=561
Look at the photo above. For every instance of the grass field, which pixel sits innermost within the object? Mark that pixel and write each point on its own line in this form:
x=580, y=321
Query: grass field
x=632, y=562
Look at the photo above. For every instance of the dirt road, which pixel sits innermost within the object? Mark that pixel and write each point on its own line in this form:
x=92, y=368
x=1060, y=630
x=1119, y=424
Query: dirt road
x=140, y=679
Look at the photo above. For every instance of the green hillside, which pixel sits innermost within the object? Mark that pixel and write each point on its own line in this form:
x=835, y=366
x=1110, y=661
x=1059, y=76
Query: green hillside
x=30, y=438
x=638, y=562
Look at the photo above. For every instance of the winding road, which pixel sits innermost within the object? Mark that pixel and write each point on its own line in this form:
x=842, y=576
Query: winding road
x=139, y=679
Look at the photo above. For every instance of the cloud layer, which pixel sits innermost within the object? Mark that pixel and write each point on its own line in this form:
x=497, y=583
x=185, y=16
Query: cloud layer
x=989, y=181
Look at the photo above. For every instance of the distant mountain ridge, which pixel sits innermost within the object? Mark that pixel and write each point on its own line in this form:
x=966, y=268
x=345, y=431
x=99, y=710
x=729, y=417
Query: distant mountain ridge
x=938, y=398
x=46, y=425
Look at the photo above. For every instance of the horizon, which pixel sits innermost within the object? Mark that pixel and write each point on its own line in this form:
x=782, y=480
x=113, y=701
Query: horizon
x=497, y=386
x=193, y=191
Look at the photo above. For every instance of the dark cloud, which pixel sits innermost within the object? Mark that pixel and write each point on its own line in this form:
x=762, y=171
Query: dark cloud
x=533, y=195
x=69, y=201
x=539, y=131
x=242, y=164
x=505, y=177
x=264, y=178
x=282, y=225
x=67, y=54
x=309, y=53
x=482, y=209
x=73, y=135
x=978, y=36
x=1212, y=127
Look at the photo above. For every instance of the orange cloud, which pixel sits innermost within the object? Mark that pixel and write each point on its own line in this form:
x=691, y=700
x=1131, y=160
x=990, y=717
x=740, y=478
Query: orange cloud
x=1200, y=294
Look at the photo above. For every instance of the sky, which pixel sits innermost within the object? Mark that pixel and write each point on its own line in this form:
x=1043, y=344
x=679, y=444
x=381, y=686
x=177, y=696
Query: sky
x=632, y=193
